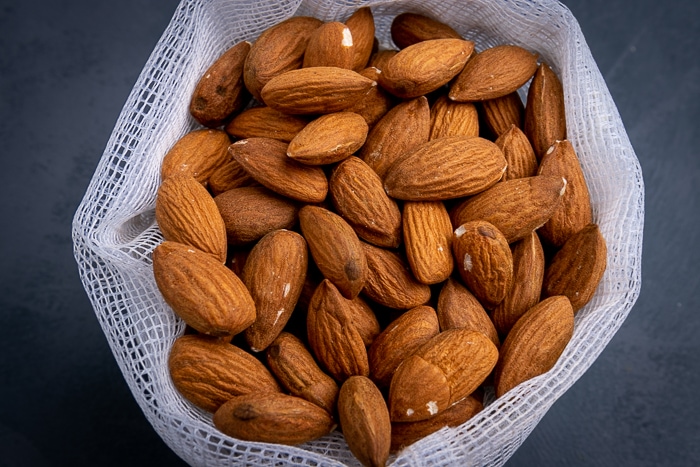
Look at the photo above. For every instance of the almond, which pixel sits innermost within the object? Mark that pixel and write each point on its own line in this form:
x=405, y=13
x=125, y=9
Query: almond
x=201, y=290
x=364, y=419
x=427, y=235
x=545, y=115
x=278, y=49
x=295, y=368
x=500, y=113
x=273, y=418
x=485, y=262
x=315, y=90
x=335, y=248
x=402, y=128
x=220, y=91
x=265, y=122
x=535, y=343
x=390, y=281
x=331, y=44
x=449, y=118
x=575, y=212
x=376, y=103
x=274, y=273
x=577, y=268
x=266, y=160
x=411, y=28
x=186, y=213
x=446, y=168
x=208, y=372
x=329, y=138
x=400, y=339
x=419, y=390
x=518, y=153
x=364, y=320
x=362, y=28
x=228, y=176
x=493, y=73
x=198, y=153
x=333, y=337
x=251, y=212
x=423, y=67
x=380, y=58
x=458, y=308
x=515, y=207
x=358, y=195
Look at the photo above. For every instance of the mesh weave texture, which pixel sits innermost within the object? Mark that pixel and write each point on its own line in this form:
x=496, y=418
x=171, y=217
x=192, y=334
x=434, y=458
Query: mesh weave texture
x=114, y=228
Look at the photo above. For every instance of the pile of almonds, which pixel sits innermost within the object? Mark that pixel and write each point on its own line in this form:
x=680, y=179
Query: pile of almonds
x=368, y=238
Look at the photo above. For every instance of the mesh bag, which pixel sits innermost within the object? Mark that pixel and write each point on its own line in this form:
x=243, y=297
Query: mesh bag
x=114, y=227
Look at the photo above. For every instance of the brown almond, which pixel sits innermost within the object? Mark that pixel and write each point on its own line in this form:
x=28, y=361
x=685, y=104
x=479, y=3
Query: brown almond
x=518, y=153
x=295, y=368
x=545, y=114
x=201, y=290
x=500, y=113
x=457, y=308
x=335, y=248
x=364, y=418
x=208, y=372
x=493, y=73
x=423, y=67
x=528, y=273
x=399, y=131
x=273, y=418
x=578, y=267
x=186, y=213
x=228, y=176
x=376, y=103
x=266, y=160
x=198, y=153
x=419, y=390
x=358, y=195
x=445, y=168
x=251, y=212
x=411, y=28
x=315, y=90
x=400, y=339
x=390, y=281
x=333, y=338
x=449, y=118
x=535, y=343
x=380, y=58
x=364, y=319
x=331, y=44
x=264, y=122
x=274, y=273
x=484, y=261
x=575, y=211
x=278, y=49
x=361, y=24
x=427, y=235
x=329, y=138
x=515, y=207
x=220, y=91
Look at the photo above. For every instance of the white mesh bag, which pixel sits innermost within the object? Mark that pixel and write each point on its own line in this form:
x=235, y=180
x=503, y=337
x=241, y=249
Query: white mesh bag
x=114, y=227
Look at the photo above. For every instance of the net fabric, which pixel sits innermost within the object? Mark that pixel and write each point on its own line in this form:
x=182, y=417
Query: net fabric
x=114, y=227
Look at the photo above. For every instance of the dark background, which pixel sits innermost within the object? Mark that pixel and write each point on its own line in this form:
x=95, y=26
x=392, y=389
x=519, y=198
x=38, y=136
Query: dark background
x=66, y=69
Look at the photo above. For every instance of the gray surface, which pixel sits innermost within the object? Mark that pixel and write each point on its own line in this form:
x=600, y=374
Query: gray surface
x=66, y=69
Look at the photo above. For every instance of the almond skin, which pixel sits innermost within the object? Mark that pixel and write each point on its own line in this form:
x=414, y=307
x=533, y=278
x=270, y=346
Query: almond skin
x=419, y=390
x=208, y=372
x=266, y=160
x=411, y=28
x=274, y=273
x=201, y=290
x=501, y=113
x=493, y=73
x=270, y=417
x=335, y=248
x=278, y=49
x=577, y=268
x=458, y=308
x=446, y=168
x=362, y=28
x=331, y=44
x=358, y=195
x=427, y=234
x=376, y=103
x=515, y=207
x=535, y=343
x=220, y=91
x=380, y=58
x=329, y=139
x=228, y=176
x=518, y=153
x=545, y=115
x=423, y=67
x=449, y=118
x=295, y=368
x=265, y=122
x=198, y=153
x=186, y=213
x=575, y=211
x=315, y=90
x=485, y=262
x=364, y=418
